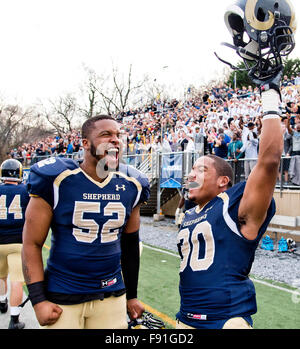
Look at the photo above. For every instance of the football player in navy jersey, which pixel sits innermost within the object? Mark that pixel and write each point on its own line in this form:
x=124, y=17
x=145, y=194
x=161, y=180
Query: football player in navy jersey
x=93, y=211
x=13, y=202
x=218, y=238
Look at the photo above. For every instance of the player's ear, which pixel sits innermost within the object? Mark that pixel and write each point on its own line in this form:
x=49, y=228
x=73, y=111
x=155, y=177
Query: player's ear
x=223, y=182
x=85, y=143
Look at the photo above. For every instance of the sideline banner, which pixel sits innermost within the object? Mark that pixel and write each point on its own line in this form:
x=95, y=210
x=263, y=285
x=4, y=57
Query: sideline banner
x=25, y=174
x=171, y=171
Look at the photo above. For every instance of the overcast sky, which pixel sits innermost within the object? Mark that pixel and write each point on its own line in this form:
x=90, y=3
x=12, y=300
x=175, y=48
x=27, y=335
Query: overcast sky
x=45, y=42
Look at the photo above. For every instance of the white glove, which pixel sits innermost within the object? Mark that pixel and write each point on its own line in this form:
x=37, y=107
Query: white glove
x=178, y=211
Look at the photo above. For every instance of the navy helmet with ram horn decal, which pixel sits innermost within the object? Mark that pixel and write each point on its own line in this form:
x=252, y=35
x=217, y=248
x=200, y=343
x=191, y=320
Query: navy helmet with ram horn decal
x=262, y=33
x=12, y=170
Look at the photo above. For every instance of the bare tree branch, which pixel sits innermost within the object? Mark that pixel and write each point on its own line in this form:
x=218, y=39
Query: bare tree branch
x=61, y=113
x=15, y=124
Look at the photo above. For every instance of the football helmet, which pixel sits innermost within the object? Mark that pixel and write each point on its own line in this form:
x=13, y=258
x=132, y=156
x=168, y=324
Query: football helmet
x=147, y=321
x=291, y=245
x=262, y=33
x=11, y=170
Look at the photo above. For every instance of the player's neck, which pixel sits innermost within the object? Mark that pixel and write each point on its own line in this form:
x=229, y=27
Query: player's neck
x=204, y=201
x=90, y=170
x=201, y=205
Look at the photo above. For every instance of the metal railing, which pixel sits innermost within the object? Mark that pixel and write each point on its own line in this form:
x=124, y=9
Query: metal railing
x=150, y=164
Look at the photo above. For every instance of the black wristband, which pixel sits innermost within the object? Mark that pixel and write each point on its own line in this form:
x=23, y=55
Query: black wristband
x=130, y=262
x=36, y=292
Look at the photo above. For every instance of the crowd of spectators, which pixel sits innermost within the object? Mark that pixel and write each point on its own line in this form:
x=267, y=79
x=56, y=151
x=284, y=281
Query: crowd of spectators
x=221, y=121
x=67, y=145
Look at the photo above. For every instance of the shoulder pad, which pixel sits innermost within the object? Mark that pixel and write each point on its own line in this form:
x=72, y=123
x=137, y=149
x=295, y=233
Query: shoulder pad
x=53, y=166
x=42, y=175
x=133, y=172
x=141, y=177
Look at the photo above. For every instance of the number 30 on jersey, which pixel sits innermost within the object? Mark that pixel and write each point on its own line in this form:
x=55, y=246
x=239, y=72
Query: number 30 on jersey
x=189, y=246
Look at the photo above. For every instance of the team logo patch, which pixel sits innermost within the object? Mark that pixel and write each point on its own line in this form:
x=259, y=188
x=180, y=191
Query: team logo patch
x=197, y=316
x=107, y=283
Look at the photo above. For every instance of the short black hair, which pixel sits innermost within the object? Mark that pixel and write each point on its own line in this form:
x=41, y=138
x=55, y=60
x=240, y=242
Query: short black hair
x=89, y=124
x=222, y=167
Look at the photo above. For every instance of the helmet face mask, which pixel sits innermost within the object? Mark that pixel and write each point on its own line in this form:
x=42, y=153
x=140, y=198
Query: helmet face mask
x=262, y=32
x=11, y=170
x=147, y=321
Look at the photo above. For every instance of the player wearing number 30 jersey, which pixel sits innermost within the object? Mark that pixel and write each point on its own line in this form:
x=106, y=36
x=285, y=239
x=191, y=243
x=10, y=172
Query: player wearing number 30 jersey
x=218, y=238
x=216, y=262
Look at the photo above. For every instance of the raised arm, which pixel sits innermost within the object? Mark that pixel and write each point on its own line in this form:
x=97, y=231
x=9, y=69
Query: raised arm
x=261, y=182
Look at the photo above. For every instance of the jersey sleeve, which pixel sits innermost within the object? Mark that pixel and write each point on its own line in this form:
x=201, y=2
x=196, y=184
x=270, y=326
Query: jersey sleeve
x=141, y=178
x=42, y=176
x=145, y=190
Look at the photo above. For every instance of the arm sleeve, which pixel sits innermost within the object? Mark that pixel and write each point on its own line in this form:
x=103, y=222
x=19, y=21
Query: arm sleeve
x=130, y=262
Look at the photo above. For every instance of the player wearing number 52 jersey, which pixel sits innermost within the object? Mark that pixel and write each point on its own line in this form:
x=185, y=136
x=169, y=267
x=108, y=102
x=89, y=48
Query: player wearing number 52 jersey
x=88, y=217
x=93, y=212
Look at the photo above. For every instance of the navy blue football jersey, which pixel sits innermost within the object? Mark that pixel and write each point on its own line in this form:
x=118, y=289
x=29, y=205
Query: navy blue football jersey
x=13, y=202
x=215, y=263
x=88, y=218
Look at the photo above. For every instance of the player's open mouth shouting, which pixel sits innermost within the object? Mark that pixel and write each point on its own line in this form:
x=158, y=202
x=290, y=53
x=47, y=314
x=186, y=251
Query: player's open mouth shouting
x=112, y=157
x=108, y=158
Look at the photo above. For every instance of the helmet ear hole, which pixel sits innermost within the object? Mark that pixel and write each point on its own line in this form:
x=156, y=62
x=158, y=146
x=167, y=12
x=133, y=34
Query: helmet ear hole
x=236, y=23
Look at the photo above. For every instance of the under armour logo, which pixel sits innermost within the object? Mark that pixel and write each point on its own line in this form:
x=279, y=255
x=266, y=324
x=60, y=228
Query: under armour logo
x=120, y=187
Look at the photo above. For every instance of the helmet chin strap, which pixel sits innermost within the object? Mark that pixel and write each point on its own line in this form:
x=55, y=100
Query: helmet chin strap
x=249, y=51
x=233, y=67
x=242, y=52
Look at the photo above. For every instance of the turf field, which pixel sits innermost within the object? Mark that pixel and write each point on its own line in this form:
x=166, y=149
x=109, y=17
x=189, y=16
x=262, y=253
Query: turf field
x=278, y=304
